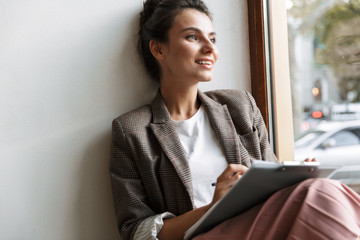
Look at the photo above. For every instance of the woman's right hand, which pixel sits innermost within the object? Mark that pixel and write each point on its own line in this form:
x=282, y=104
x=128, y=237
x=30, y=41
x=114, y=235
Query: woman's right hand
x=226, y=180
x=174, y=228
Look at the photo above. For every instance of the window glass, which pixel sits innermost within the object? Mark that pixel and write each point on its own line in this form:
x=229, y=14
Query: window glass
x=324, y=55
x=307, y=138
x=345, y=138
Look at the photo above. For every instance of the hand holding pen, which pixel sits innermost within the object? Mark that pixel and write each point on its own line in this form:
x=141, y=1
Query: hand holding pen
x=226, y=180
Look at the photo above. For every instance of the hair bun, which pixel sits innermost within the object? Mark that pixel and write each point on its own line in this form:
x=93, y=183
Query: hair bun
x=148, y=10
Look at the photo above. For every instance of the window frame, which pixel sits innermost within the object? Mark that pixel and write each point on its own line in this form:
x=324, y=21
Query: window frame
x=273, y=96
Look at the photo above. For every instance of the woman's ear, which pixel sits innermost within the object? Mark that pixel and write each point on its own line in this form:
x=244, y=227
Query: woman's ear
x=156, y=49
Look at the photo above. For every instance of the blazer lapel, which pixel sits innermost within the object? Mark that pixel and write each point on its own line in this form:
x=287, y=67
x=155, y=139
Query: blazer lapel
x=165, y=132
x=224, y=128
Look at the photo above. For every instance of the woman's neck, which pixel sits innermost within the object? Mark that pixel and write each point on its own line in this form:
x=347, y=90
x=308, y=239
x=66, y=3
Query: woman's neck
x=181, y=102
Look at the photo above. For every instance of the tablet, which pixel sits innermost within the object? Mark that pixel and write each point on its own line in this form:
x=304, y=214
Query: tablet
x=255, y=186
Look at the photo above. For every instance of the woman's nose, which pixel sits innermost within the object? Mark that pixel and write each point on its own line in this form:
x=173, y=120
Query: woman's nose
x=208, y=46
x=357, y=47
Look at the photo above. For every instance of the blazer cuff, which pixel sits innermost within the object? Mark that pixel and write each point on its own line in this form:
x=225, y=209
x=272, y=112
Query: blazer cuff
x=151, y=226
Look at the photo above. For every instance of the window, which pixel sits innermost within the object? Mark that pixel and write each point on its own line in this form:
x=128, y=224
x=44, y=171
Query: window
x=324, y=54
x=345, y=138
x=269, y=71
x=307, y=82
x=307, y=138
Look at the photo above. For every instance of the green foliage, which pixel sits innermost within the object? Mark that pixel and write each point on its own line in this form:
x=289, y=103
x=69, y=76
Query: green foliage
x=302, y=9
x=338, y=13
x=307, y=13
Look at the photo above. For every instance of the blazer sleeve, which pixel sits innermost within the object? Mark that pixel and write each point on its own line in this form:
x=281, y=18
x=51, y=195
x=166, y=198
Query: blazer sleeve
x=128, y=193
x=267, y=153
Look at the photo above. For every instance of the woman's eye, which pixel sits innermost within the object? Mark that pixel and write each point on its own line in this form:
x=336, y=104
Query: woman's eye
x=192, y=37
x=213, y=40
x=346, y=42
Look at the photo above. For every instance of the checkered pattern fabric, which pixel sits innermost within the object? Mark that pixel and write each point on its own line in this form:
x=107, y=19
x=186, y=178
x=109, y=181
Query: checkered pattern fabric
x=149, y=170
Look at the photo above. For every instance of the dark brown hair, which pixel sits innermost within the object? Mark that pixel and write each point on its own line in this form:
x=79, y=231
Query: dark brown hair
x=156, y=19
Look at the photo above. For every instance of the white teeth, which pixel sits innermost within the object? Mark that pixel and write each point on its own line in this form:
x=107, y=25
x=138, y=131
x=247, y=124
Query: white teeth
x=204, y=62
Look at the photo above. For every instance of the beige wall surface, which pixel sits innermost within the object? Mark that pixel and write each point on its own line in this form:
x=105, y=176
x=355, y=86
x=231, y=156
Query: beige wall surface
x=67, y=68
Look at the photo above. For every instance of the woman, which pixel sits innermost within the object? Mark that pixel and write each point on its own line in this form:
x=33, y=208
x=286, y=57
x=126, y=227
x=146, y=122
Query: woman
x=338, y=47
x=166, y=155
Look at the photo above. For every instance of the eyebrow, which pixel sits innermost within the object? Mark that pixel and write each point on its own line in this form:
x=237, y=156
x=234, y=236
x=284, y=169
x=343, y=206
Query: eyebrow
x=346, y=37
x=196, y=30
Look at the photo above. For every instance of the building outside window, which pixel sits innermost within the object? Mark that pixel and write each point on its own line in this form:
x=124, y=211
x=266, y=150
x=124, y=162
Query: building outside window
x=324, y=59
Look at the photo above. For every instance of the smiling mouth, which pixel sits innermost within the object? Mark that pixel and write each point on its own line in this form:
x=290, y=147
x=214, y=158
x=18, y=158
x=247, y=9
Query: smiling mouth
x=204, y=62
x=354, y=61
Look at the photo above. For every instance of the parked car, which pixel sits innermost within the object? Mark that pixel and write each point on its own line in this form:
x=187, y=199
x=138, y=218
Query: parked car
x=334, y=144
x=329, y=112
x=331, y=143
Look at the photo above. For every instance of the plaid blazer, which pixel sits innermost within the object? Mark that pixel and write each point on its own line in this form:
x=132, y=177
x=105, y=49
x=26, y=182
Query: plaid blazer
x=149, y=170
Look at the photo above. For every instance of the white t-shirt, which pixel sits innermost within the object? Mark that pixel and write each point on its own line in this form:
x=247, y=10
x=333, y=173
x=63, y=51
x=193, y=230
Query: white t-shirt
x=206, y=161
x=204, y=153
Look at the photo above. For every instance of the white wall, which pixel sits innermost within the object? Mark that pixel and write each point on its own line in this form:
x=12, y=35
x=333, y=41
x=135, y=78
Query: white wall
x=67, y=68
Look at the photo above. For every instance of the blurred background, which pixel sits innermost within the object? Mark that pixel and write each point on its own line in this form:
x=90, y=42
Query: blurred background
x=324, y=53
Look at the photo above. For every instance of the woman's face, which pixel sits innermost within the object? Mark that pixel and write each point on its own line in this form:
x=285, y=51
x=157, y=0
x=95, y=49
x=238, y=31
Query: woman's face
x=343, y=48
x=190, y=54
